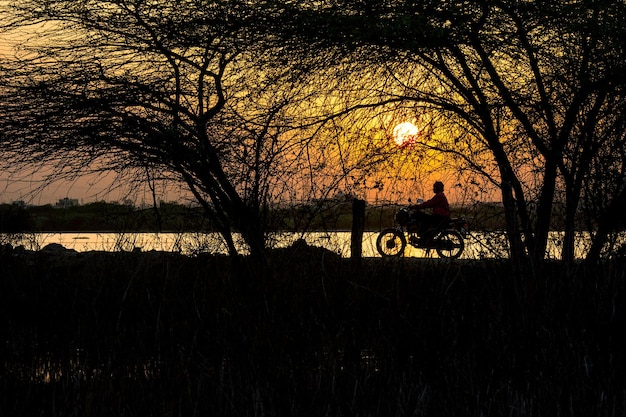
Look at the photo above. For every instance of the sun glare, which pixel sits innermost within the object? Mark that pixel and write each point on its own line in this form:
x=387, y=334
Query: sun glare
x=405, y=134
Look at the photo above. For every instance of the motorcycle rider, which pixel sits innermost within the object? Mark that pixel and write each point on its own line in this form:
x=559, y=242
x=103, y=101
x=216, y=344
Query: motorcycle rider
x=429, y=223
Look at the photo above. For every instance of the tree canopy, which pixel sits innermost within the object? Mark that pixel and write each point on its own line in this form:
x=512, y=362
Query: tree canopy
x=528, y=95
x=193, y=91
x=229, y=98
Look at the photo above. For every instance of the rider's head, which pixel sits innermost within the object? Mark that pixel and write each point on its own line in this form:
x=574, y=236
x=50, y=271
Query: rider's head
x=438, y=187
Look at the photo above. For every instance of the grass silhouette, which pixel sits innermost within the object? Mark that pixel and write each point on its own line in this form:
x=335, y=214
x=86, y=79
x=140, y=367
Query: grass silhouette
x=102, y=334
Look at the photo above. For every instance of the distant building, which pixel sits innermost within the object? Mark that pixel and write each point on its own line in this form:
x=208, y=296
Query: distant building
x=67, y=202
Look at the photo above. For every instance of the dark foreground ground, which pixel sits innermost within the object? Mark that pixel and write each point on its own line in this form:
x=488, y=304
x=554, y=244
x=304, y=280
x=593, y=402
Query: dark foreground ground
x=153, y=334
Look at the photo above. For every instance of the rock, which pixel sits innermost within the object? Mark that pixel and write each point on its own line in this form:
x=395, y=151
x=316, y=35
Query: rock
x=56, y=248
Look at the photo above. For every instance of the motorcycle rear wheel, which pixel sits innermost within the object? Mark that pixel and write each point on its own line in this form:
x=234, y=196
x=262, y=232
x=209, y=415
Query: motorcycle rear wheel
x=391, y=242
x=449, y=244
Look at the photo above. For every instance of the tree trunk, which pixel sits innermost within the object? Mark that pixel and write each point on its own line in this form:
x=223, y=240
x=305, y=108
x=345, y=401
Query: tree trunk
x=544, y=212
x=513, y=234
x=568, y=251
x=599, y=240
x=358, y=226
x=608, y=222
x=250, y=225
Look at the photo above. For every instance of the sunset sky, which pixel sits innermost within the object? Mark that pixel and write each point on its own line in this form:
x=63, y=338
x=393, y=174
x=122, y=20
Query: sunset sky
x=397, y=186
x=408, y=176
x=28, y=187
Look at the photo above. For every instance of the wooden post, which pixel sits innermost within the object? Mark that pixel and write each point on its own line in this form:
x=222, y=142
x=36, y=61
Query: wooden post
x=358, y=226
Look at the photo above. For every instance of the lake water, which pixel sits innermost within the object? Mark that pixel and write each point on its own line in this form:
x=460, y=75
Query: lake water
x=477, y=245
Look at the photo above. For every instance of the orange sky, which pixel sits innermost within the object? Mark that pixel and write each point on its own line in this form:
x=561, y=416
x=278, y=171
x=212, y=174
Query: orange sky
x=397, y=186
x=87, y=189
x=395, y=189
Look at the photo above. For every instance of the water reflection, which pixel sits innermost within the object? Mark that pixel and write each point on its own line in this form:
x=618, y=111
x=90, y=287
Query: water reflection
x=477, y=245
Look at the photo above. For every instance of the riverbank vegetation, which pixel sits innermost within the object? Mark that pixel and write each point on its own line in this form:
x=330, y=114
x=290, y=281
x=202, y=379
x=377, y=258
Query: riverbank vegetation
x=105, y=334
x=324, y=215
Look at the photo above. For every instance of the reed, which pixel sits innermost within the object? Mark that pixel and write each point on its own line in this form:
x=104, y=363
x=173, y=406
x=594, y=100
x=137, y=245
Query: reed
x=160, y=334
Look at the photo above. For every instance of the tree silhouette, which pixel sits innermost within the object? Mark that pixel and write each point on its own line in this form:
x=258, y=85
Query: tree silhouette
x=187, y=91
x=526, y=94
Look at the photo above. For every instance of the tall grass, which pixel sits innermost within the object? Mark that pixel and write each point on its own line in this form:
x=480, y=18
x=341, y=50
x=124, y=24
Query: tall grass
x=155, y=334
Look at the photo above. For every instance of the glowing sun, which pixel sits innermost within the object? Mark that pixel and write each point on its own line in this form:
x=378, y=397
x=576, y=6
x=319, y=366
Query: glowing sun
x=405, y=134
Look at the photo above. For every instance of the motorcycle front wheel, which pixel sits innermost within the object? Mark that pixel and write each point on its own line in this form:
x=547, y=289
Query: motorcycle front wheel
x=391, y=242
x=449, y=244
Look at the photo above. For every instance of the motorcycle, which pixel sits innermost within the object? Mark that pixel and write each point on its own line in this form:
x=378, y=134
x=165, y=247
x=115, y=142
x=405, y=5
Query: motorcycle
x=448, y=240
